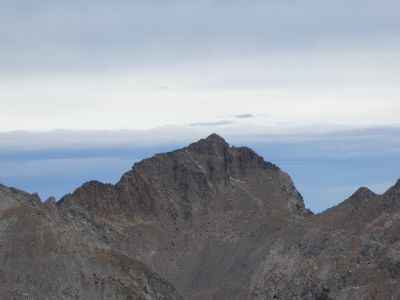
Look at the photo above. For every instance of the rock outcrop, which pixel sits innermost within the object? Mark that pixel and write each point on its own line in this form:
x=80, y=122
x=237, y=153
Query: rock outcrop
x=208, y=221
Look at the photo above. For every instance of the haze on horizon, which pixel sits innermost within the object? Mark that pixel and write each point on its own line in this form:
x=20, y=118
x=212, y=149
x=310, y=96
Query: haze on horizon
x=262, y=73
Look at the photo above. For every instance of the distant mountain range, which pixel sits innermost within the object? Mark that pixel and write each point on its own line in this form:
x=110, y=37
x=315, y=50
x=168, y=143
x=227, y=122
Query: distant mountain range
x=208, y=221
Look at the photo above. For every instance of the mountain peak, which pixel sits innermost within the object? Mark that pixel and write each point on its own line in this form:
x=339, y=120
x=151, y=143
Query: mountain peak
x=213, y=144
x=206, y=221
x=363, y=192
x=215, y=138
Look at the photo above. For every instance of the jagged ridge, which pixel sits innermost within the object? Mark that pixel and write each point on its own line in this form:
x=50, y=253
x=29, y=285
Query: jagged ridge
x=208, y=221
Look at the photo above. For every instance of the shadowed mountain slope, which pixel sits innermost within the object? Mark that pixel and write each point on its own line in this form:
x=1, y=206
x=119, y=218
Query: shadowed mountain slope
x=208, y=221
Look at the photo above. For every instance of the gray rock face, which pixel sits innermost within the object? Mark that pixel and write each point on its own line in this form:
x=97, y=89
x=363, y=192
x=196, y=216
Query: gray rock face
x=44, y=257
x=208, y=221
x=351, y=251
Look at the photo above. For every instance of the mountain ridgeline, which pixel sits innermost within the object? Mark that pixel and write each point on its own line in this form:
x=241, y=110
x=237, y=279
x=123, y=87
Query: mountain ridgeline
x=208, y=221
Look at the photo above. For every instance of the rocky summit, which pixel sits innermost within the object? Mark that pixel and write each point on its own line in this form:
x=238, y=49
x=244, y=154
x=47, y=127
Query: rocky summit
x=208, y=221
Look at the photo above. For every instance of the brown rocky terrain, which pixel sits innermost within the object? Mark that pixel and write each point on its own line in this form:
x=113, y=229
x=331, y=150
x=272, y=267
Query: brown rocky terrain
x=208, y=221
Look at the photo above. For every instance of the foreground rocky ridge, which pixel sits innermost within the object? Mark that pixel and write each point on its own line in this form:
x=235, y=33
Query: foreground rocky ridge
x=208, y=221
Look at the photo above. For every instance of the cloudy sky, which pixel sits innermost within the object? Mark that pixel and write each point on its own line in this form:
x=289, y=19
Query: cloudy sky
x=262, y=73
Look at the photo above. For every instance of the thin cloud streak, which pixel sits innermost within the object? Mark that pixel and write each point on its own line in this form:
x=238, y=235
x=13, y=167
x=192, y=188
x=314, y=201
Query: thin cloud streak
x=244, y=116
x=209, y=124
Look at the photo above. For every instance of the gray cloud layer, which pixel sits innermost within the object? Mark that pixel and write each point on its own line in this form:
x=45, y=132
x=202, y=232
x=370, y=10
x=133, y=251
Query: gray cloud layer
x=89, y=35
x=179, y=135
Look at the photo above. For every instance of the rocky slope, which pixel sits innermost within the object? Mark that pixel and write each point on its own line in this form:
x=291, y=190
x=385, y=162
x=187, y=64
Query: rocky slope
x=208, y=221
x=351, y=251
x=44, y=257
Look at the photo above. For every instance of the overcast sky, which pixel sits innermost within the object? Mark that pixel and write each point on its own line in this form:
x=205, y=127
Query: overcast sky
x=314, y=86
x=141, y=64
